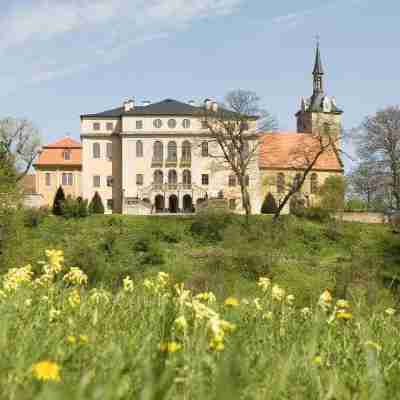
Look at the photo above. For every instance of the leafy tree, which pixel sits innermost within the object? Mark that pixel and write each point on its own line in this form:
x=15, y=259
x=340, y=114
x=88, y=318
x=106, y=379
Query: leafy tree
x=58, y=202
x=332, y=193
x=96, y=205
x=74, y=208
x=269, y=205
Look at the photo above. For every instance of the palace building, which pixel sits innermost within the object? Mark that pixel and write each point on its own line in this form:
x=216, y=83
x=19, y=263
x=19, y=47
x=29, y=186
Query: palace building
x=156, y=157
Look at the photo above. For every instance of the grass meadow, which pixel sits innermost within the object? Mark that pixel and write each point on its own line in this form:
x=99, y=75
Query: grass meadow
x=203, y=308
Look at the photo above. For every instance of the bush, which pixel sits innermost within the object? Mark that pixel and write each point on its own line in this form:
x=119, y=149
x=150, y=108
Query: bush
x=269, y=205
x=34, y=216
x=332, y=193
x=96, y=205
x=74, y=208
x=58, y=200
x=210, y=224
x=317, y=214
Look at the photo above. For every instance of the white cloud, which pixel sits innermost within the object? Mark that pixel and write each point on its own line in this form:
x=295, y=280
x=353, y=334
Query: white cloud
x=43, y=38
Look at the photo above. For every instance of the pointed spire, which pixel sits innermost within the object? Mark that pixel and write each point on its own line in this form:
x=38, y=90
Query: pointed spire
x=318, y=72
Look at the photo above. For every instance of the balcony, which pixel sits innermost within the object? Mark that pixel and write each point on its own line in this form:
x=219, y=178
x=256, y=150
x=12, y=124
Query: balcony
x=155, y=163
x=171, y=187
x=186, y=163
x=171, y=163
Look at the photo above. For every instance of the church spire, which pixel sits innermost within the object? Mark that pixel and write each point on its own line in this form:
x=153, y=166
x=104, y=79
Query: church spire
x=318, y=72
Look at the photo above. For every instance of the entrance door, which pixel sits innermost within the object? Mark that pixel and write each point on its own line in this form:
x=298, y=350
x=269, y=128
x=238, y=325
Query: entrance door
x=173, y=204
x=187, y=203
x=159, y=203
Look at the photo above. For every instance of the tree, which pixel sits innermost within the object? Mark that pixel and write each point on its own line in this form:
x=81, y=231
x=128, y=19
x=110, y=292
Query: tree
x=59, y=199
x=269, y=205
x=237, y=145
x=365, y=182
x=305, y=156
x=96, y=205
x=378, y=140
x=19, y=144
x=332, y=193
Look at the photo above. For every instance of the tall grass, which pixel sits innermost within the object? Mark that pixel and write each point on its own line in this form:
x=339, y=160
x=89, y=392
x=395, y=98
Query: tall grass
x=155, y=339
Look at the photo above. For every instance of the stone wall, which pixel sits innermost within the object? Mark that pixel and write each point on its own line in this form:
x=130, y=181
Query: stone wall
x=365, y=217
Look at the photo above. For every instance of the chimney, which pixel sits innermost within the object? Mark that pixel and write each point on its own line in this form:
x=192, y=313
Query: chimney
x=129, y=105
x=214, y=106
x=208, y=104
x=146, y=103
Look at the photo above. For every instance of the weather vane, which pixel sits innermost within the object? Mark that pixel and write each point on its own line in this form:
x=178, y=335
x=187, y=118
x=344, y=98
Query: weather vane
x=317, y=38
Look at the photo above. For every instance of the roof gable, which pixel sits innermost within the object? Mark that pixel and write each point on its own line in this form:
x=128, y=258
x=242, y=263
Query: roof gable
x=64, y=143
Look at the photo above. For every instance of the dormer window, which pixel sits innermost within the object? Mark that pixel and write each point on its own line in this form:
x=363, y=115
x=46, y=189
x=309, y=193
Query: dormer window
x=66, y=155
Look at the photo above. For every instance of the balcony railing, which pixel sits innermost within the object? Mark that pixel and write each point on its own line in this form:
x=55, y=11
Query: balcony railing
x=165, y=187
x=156, y=163
x=171, y=163
x=186, y=163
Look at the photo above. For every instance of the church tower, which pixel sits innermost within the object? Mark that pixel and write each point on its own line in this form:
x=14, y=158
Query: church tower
x=319, y=113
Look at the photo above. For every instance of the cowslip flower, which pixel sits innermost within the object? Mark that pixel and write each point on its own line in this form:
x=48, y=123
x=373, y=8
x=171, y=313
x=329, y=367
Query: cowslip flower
x=84, y=338
x=181, y=323
x=264, y=283
x=128, y=284
x=17, y=277
x=208, y=297
x=290, y=299
x=76, y=277
x=343, y=304
x=277, y=293
x=170, y=347
x=55, y=260
x=71, y=339
x=390, y=311
x=46, y=371
x=54, y=314
x=232, y=302
x=325, y=300
x=305, y=312
x=344, y=315
x=74, y=299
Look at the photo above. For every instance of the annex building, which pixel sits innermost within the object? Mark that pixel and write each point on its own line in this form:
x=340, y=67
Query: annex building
x=156, y=157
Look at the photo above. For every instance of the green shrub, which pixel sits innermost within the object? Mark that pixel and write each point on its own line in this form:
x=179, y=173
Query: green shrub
x=210, y=224
x=317, y=214
x=96, y=205
x=332, y=193
x=34, y=216
x=59, y=198
x=269, y=205
x=74, y=208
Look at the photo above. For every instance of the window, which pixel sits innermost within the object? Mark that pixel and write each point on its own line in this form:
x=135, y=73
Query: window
x=280, y=183
x=186, y=151
x=96, y=150
x=67, y=155
x=187, y=177
x=204, y=125
x=232, y=180
x=139, y=124
x=157, y=123
x=158, y=177
x=172, y=151
x=110, y=181
x=314, y=183
x=296, y=181
x=48, y=179
x=96, y=181
x=139, y=148
x=204, y=149
x=232, y=204
x=204, y=179
x=109, y=151
x=158, y=151
x=171, y=123
x=66, y=179
x=139, y=179
x=247, y=180
x=172, y=177
x=109, y=126
x=110, y=204
x=96, y=126
x=186, y=123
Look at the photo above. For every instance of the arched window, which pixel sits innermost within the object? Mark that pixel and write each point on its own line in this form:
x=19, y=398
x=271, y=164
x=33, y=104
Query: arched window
x=96, y=150
x=280, y=183
x=67, y=155
x=204, y=149
x=172, y=177
x=186, y=123
x=139, y=148
x=296, y=180
x=314, y=183
x=158, y=153
x=172, y=152
x=187, y=177
x=186, y=151
x=158, y=177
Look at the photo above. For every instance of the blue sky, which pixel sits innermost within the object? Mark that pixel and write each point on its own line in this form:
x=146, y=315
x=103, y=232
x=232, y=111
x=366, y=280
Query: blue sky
x=63, y=58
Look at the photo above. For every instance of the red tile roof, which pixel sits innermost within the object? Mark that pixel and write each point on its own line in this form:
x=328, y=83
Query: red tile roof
x=287, y=150
x=52, y=154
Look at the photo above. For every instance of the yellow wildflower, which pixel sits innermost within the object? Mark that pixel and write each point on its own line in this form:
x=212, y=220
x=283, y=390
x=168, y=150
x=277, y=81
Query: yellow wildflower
x=305, y=312
x=268, y=315
x=74, y=299
x=181, y=323
x=290, y=299
x=257, y=304
x=217, y=345
x=170, y=347
x=325, y=300
x=278, y=293
x=17, y=277
x=264, y=283
x=46, y=371
x=71, y=339
x=55, y=259
x=317, y=360
x=390, y=311
x=46, y=280
x=209, y=297
x=76, y=277
x=163, y=278
x=128, y=284
x=28, y=302
x=84, y=338
x=54, y=314
x=232, y=302
x=345, y=315
x=343, y=304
